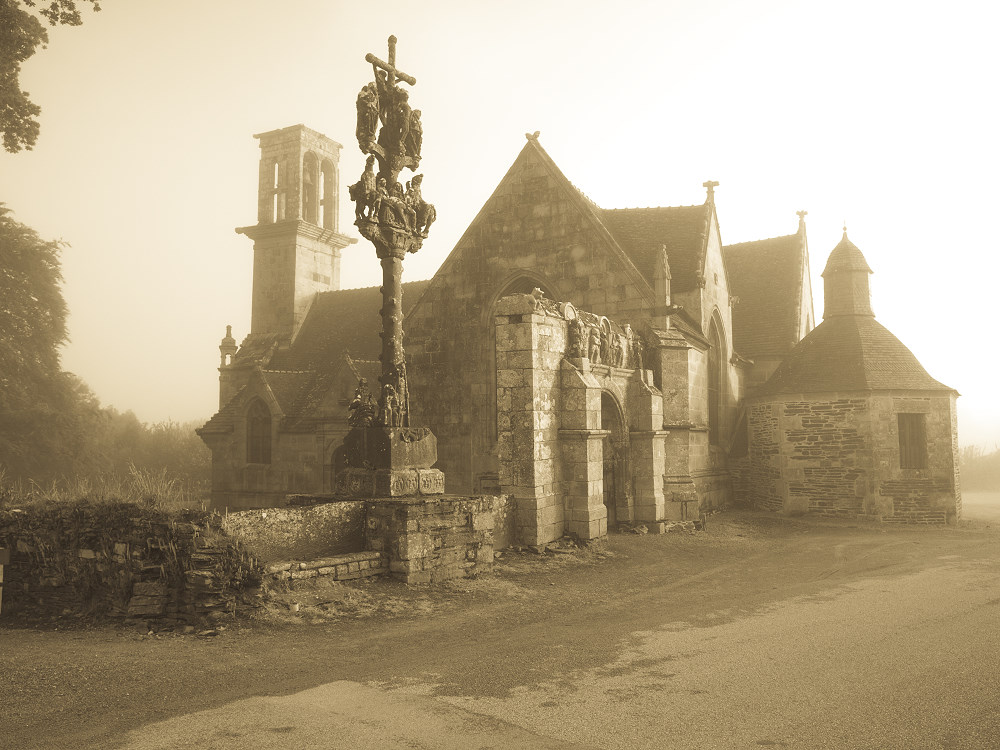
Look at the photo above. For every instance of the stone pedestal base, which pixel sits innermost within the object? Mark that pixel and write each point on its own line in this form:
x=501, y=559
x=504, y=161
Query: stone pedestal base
x=380, y=447
x=431, y=539
x=365, y=483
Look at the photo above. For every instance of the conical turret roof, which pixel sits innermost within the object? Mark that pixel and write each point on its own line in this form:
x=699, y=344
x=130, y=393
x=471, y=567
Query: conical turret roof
x=849, y=350
x=846, y=257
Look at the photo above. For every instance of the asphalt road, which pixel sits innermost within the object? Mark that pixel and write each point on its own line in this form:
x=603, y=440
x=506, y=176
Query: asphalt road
x=762, y=632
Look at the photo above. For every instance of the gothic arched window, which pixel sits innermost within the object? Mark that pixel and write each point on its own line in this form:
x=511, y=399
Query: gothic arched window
x=258, y=433
x=716, y=378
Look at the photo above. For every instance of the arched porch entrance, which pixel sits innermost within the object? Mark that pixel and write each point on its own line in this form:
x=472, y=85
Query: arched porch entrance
x=615, y=460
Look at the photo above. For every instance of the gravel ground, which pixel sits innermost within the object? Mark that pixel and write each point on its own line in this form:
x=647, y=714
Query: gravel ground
x=577, y=647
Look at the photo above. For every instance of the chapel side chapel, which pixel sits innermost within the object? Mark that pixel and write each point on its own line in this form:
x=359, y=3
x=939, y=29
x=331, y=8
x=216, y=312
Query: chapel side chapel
x=592, y=363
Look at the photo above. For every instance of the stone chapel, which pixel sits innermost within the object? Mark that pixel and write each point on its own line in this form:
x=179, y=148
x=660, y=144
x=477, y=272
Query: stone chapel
x=595, y=364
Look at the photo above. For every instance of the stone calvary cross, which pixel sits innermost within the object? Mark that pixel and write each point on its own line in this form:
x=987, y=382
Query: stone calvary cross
x=390, y=67
x=385, y=454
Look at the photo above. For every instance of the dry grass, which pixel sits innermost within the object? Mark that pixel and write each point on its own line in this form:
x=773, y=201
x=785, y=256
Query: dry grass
x=154, y=489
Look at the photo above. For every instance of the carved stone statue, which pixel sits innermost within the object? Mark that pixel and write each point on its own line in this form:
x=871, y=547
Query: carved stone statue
x=616, y=350
x=390, y=406
x=576, y=346
x=395, y=210
x=381, y=193
x=424, y=211
x=629, y=360
x=403, y=114
x=637, y=354
x=364, y=191
x=361, y=410
x=605, y=346
x=368, y=116
x=415, y=139
x=595, y=346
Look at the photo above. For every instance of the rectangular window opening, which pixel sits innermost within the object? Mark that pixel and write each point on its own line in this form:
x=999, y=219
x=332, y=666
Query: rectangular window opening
x=912, y=441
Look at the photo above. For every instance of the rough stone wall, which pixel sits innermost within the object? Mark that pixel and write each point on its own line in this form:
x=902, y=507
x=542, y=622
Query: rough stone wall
x=765, y=490
x=927, y=495
x=432, y=539
x=827, y=450
x=299, y=532
x=838, y=455
x=118, y=560
x=532, y=227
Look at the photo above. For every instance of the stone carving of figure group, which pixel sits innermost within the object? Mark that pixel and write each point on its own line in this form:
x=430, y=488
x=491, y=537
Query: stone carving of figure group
x=402, y=132
x=392, y=207
x=602, y=346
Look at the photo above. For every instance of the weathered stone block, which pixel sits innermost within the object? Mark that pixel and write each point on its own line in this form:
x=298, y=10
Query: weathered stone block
x=430, y=481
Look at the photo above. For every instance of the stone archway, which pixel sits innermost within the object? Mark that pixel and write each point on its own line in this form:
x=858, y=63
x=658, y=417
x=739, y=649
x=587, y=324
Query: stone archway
x=615, y=455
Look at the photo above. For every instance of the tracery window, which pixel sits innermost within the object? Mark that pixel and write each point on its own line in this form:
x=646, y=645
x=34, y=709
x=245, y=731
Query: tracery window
x=716, y=376
x=258, y=433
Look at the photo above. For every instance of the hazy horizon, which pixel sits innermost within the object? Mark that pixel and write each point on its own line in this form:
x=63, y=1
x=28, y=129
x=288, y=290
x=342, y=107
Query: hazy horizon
x=875, y=113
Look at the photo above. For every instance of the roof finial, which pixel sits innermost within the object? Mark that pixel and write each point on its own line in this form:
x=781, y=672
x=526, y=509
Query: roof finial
x=845, y=228
x=802, y=216
x=533, y=136
x=711, y=185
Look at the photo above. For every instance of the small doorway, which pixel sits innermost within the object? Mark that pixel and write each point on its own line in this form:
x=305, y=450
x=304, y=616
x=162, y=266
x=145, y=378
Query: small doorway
x=336, y=464
x=614, y=462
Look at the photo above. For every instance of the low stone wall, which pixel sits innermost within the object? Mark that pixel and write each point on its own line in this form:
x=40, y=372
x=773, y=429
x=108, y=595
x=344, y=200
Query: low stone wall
x=122, y=560
x=431, y=539
x=313, y=527
x=338, y=568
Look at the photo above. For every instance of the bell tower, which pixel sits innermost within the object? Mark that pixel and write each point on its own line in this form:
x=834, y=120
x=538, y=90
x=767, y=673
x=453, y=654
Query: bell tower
x=296, y=242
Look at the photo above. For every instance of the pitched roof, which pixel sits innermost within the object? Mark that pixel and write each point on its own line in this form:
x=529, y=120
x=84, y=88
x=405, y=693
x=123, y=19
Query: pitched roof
x=337, y=322
x=849, y=353
x=642, y=231
x=222, y=420
x=766, y=276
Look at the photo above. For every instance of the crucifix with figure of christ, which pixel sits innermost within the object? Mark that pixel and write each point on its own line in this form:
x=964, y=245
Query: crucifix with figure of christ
x=395, y=223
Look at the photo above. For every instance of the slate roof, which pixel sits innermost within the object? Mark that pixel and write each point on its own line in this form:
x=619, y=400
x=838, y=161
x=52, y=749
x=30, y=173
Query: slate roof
x=849, y=353
x=640, y=232
x=342, y=321
x=223, y=419
x=767, y=277
x=846, y=256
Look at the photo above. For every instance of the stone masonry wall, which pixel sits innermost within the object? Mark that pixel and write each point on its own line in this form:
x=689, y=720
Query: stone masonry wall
x=927, y=495
x=530, y=348
x=300, y=532
x=826, y=450
x=838, y=455
x=530, y=227
x=431, y=539
x=764, y=487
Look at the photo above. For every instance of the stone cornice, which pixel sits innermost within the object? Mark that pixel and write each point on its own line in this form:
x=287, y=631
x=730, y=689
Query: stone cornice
x=297, y=228
x=579, y=434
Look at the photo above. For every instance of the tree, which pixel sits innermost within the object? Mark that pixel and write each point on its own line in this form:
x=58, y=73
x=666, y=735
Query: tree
x=21, y=32
x=33, y=392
